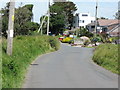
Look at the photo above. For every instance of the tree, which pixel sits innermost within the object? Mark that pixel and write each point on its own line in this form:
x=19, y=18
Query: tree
x=69, y=8
x=57, y=19
x=30, y=27
x=23, y=17
x=61, y=16
x=5, y=12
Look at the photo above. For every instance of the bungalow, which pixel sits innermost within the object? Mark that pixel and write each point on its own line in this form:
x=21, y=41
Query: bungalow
x=104, y=26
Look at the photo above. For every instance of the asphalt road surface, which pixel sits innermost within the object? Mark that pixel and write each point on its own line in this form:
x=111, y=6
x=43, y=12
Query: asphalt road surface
x=70, y=67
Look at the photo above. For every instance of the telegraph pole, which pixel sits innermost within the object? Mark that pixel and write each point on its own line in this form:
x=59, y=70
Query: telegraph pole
x=96, y=17
x=10, y=27
x=48, y=17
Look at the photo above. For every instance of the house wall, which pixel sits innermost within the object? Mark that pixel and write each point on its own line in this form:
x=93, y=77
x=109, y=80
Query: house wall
x=76, y=21
x=82, y=19
x=85, y=19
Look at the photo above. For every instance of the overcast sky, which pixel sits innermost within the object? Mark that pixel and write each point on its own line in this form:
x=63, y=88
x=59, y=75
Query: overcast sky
x=106, y=8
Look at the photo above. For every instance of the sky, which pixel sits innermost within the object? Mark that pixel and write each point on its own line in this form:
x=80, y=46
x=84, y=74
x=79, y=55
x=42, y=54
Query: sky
x=106, y=8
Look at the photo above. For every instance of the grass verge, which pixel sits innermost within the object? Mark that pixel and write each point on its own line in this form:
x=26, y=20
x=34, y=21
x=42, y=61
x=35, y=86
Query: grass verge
x=25, y=50
x=0, y=64
x=106, y=55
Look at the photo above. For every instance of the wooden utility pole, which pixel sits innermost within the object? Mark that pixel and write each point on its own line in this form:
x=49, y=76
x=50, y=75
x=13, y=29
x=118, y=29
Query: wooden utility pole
x=96, y=17
x=48, y=18
x=10, y=27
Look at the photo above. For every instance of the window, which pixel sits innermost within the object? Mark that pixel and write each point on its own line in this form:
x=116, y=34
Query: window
x=92, y=21
x=84, y=15
x=76, y=14
x=83, y=21
x=92, y=26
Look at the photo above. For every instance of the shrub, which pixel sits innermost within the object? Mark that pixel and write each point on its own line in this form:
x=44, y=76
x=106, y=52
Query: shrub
x=96, y=39
x=106, y=55
x=86, y=42
x=104, y=37
x=84, y=32
x=54, y=43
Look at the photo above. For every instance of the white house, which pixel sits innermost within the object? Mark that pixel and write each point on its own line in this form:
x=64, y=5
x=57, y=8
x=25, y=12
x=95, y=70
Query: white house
x=82, y=19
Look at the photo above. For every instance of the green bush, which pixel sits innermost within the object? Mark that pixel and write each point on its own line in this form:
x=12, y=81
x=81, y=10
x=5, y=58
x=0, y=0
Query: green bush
x=87, y=42
x=84, y=32
x=96, y=39
x=25, y=50
x=104, y=37
x=106, y=55
x=54, y=42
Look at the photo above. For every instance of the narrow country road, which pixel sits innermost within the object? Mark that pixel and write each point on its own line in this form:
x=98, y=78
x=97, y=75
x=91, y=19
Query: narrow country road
x=70, y=67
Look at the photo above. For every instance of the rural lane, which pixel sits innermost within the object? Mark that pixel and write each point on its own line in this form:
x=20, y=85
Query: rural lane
x=69, y=67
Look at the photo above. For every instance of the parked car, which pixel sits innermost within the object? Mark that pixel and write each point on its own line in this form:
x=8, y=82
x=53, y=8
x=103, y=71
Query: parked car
x=61, y=38
x=67, y=40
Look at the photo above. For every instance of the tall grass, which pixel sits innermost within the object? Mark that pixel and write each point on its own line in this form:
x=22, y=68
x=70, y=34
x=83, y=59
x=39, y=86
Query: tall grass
x=25, y=50
x=106, y=55
x=0, y=64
